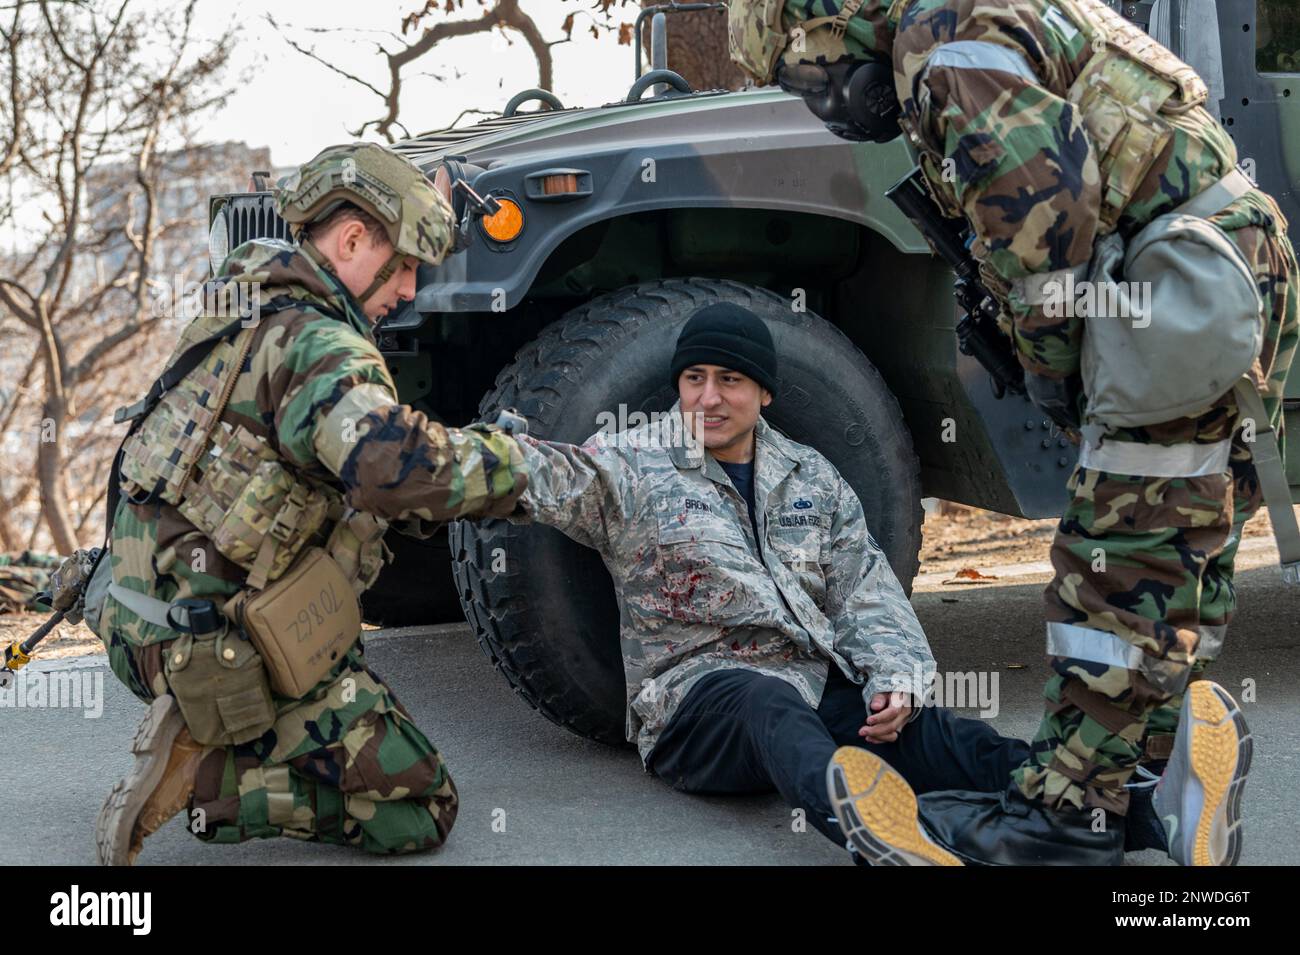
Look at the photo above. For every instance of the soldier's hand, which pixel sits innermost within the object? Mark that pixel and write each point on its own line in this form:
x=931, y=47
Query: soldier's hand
x=889, y=714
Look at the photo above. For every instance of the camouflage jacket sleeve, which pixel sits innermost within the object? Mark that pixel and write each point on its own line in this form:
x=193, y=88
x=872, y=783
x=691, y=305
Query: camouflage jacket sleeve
x=336, y=404
x=980, y=82
x=876, y=628
x=587, y=491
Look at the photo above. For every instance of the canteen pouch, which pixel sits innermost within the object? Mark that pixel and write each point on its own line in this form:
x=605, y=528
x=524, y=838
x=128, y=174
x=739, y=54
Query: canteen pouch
x=221, y=687
x=1184, y=322
x=254, y=510
x=303, y=624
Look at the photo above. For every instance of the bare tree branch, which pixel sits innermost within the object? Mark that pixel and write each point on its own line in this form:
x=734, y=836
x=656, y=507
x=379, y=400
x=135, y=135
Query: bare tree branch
x=96, y=99
x=321, y=60
x=466, y=112
x=505, y=15
x=25, y=315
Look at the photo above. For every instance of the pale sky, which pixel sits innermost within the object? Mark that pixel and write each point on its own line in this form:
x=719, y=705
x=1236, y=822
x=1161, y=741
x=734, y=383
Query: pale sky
x=296, y=106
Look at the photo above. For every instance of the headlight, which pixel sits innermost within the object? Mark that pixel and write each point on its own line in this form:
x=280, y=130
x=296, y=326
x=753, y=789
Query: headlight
x=442, y=182
x=218, y=241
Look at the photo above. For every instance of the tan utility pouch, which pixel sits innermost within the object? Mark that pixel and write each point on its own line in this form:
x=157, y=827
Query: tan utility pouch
x=221, y=687
x=1120, y=101
x=257, y=513
x=303, y=624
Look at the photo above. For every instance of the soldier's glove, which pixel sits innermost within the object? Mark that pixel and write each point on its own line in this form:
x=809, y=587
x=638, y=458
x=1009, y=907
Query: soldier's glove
x=508, y=420
x=68, y=584
x=1058, y=398
x=503, y=466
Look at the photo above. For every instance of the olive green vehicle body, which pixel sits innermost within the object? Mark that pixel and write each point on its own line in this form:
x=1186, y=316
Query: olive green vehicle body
x=749, y=186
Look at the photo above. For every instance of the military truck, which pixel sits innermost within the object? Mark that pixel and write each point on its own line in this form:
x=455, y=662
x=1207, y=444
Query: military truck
x=619, y=221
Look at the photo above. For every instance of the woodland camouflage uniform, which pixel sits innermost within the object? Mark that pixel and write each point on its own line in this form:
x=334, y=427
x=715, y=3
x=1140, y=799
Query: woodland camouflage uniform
x=344, y=763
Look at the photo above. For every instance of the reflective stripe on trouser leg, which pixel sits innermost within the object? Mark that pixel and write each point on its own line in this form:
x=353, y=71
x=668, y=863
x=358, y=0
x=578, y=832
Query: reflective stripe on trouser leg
x=1090, y=646
x=1185, y=460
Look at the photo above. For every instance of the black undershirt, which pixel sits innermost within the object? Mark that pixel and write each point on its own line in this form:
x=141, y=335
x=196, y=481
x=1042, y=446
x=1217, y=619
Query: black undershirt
x=742, y=478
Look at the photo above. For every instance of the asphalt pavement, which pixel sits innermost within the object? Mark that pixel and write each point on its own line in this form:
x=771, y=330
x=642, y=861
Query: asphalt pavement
x=532, y=793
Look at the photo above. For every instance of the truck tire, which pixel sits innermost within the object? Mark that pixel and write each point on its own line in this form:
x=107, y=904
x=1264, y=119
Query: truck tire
x=542, y=606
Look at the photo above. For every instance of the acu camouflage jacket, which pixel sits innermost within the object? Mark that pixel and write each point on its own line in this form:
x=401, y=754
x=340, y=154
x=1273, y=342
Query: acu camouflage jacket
x=697, y=595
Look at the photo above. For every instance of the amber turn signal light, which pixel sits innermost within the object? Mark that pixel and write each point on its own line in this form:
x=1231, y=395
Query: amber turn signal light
x=560, y=185
x=506, y=223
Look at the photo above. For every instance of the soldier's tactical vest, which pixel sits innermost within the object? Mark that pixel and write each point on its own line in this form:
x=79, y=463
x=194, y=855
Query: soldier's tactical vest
x=258, y=512
x=1123, y=93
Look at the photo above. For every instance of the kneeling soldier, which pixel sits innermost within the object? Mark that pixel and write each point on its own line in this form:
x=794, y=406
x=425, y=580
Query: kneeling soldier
x=255, y=489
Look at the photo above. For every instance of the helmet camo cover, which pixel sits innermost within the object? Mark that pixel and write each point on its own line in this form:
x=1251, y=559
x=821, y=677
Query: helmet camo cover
x=765, y=33
x=415, y=217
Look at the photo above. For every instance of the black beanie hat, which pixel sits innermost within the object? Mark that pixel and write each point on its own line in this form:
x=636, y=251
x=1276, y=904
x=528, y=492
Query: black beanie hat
x=730, y=336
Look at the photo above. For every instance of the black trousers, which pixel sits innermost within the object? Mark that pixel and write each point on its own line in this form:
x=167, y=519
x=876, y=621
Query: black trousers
x=740, y=732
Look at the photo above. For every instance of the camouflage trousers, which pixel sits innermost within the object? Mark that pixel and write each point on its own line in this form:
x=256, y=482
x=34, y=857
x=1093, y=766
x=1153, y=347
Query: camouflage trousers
x=1143, y=588
x=343, y=765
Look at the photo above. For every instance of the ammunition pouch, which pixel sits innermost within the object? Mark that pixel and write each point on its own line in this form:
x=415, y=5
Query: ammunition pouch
x=158, y=457
x=303, y=624
x=221, y=686
x=357, y=545
x=1121, y=94
x=256, y=512
x=755, y=38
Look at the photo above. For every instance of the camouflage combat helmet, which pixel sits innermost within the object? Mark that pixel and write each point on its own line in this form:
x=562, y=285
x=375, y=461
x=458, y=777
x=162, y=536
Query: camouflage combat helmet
x=416, y=218
x=764, y=34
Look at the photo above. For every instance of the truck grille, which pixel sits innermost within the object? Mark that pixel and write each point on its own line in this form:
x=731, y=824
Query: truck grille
x=254, y=217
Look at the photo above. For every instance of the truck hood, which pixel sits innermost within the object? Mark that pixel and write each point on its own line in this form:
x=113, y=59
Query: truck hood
x=702, y=116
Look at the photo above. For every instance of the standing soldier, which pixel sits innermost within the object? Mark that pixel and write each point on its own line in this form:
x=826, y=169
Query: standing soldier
x=1061, y=133
x=254, y=497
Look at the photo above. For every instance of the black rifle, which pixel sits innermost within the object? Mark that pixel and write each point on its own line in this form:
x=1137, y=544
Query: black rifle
x=978, y=334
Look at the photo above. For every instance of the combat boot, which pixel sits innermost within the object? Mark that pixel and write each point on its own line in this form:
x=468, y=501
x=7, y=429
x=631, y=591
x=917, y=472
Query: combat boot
x=887, y=824
x=1198, y=798
x=158, y=786
x=1008, y=829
